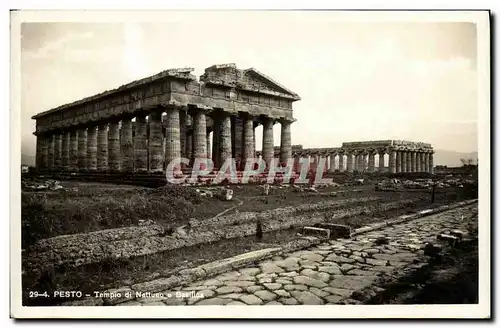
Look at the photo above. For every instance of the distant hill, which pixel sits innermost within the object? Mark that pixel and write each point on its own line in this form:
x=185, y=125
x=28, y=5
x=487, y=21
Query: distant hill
x=452, y=158
x=27, y=160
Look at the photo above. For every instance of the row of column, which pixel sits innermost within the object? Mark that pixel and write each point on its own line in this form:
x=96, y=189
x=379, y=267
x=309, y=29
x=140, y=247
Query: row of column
x=399, y=161
x=109, y=147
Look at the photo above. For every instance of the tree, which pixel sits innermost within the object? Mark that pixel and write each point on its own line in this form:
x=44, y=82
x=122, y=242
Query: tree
x=466, y=161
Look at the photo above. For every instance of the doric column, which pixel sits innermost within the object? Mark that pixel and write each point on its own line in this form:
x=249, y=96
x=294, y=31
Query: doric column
x=417, y=161
x=82, y=148
x=39, y=146
x=114, y=158
x=237, y=137
x=92, y=148
x=426, y=161
x=371, y=161
x=286, y=141
x=393, y=166
x=399, y=161
x=268, y=141
x=422, y=162
x=413, y=161
x=44, y=151
x=381, y=160
x=189, y=145
x=73, y=150
x=404, y=161
x=431, y=162
x=127, y=145
x=183, y=131
x=172, y=135
x=65, y=150
x=50, y=151
x=154, y=144
x=349, y=161
x=140, y=144
x=225, y=139
x=216, y=141
x=199, y=134
x=248, y=139
x=57, y=150
x=102, y=147
x=341, y=161
x=209, y=150
x=331, y=162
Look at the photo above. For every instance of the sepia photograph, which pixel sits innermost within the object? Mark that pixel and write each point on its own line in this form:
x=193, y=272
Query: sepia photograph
x=250, y=164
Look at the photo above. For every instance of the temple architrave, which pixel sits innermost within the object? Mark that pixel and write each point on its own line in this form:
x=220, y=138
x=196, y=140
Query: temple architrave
x=143, y=125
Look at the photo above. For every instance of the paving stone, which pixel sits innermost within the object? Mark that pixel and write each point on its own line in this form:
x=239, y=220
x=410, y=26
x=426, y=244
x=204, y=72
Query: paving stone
x=288, y=274
x=323, y=276
x=358, y=272
x=272, y=286
x=376, y=262
x=273, y=303
x=249, y=271
x=130, y=303
x=265, y=280
x=339, y=259
x=371, y=251
x=245, y=277
x=213, y=282
x=228, y=289
x=265, y=295
x=284, y=282
x=253, y=289
x=214, y=301
x=271, y=268
x=200, y=287
x=352, y=282
x=313, y=257
x=358, y=259
x=251, y=300
x=233, y=296
x=306, y=297
x=333, y=299
x=339, y=291
x=289, y=264
x=295, y=287
x=236, y=303
x=281, y=292
x=266, y=275
x=160, y=303
x=330, y=269
x=288, y=301
x=398, y=257
x=305, y=280
x=318, y=292
x=347, y=267
x=232, y=275
x=238, y=283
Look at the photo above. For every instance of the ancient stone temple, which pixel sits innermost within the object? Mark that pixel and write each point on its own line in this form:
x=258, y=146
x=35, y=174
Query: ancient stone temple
x=143, y=125
x=393, y=156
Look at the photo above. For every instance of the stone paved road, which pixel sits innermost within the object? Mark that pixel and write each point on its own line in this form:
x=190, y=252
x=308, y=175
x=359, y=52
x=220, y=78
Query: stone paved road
x=334, y=272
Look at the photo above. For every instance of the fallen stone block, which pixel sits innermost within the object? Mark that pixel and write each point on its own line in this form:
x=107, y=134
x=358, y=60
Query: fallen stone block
x=316, y=232
x=458, y=233
x=336, y=230
x=449, y=238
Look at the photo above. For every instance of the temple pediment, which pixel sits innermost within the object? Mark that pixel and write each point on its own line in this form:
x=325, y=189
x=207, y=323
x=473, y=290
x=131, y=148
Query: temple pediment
x=249, y=79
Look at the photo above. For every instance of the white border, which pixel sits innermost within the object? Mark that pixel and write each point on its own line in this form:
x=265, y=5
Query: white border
x=346, y=311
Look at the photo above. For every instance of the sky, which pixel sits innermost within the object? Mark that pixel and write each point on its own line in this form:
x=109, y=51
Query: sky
x=357, y=81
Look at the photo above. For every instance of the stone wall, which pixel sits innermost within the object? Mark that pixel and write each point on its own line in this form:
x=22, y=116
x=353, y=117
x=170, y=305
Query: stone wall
x=79, y=249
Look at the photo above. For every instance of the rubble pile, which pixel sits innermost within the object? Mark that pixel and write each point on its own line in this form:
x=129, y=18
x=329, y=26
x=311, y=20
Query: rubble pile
x=34, y=185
